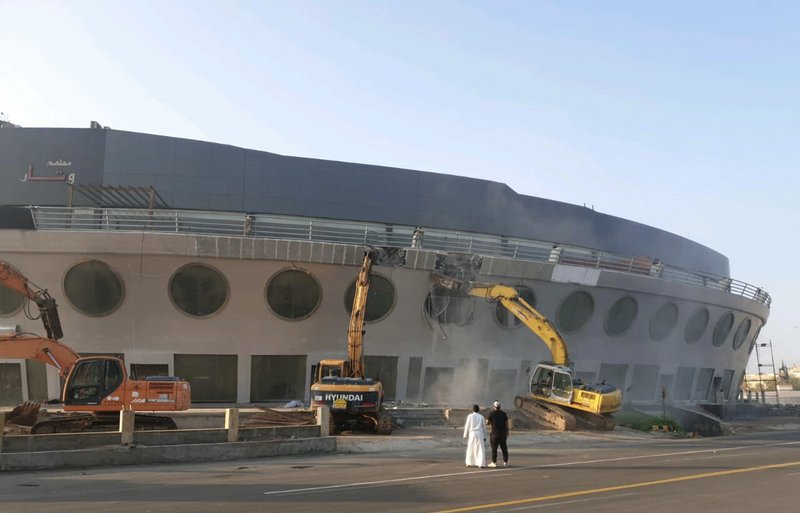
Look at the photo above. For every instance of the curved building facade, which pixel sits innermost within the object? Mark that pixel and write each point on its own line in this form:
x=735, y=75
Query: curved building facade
x=234, y=269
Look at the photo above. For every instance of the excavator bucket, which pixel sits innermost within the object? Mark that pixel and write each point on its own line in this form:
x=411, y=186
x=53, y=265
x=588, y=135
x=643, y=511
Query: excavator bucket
x=26, y=414
x=388, y=256
x=455, y=272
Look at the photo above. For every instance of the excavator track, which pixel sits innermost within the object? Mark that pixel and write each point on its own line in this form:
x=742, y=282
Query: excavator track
x=547, y=413
x=82, y=422
x=64, y=424
x=594, y=421
x=563, y=419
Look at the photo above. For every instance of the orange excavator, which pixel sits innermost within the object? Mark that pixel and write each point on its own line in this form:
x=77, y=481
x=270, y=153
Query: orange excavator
x=97, y=386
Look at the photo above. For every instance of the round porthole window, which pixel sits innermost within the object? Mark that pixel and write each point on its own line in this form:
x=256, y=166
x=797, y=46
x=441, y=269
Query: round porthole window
x=575, y=311
x=293, y=294
x=10, y=302
x=696, y=326
x=741, y=333
x=93, y=288
x=722, y=329
x=621, y=315
x=380, y=298
x=664, y=320
x=506, y=318
x=198, y=289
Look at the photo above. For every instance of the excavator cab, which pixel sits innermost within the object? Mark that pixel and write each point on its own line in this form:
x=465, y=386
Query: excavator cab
x=92, y=379
x=552, y=382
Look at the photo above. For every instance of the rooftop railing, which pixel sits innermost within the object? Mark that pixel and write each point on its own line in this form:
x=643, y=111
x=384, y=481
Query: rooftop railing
x=375, y=234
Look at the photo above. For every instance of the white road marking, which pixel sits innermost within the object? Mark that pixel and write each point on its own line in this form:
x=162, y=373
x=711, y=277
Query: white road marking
x=499, y=471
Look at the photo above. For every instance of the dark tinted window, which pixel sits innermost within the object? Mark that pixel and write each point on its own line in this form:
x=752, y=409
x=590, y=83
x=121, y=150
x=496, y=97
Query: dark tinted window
x=293, y=294
x=696, y=326
x=663, y=321
x=575, y=311
x=198, y=289
x=93, y=288
x=723, y=328
x=741, y=333
x=380, y=298
x=506, y=318
x=621, y=316
x=10, y=302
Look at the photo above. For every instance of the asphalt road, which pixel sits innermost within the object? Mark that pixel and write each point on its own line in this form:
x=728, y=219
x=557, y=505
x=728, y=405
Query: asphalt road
x=565, y=473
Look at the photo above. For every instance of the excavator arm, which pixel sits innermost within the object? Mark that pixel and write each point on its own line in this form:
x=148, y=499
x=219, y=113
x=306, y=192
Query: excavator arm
x=536, y=322
x=354, y=367
x=13, y=280
x=355, y=332
x=48, y=351
x=511, y=300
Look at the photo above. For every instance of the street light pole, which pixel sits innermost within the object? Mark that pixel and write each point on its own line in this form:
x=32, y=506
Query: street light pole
x=774, y=375
x=760, y=383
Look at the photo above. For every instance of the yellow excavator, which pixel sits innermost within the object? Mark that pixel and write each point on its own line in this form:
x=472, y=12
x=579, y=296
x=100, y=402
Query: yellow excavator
x=555, y=396
x=356, y=401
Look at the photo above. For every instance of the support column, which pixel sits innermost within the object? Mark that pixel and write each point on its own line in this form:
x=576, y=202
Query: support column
x=2, y=428
x=232, y=424
x=127, y=419
x=324, y=420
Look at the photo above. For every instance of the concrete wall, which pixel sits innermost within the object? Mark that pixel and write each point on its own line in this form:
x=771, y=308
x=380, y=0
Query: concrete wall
x=140, y=455
x=74, y=441
x=148, y=328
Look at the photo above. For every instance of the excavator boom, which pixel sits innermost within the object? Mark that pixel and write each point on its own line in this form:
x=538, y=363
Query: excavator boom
x=354, y=367
x=535, y=321
x=355, y=332
x=51, y=352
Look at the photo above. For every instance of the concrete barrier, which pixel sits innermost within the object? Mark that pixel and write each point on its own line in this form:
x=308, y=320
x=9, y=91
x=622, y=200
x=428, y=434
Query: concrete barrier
x=139, y=455
x=72, y=441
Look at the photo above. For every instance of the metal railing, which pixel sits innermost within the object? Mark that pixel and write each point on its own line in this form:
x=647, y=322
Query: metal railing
x=267, y=226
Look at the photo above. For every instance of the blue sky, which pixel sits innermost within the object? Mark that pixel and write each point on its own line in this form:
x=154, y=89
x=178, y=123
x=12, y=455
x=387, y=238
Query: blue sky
x=679, y=115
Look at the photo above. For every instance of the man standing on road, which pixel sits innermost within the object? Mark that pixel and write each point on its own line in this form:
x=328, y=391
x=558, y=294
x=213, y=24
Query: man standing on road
x=475, y=433
x=499, y=422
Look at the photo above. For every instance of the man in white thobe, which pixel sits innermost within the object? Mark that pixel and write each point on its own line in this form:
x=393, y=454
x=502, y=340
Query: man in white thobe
x=475, y=433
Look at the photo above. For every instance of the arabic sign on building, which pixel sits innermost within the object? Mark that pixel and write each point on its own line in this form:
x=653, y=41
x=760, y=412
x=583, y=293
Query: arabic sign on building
x=60, y=175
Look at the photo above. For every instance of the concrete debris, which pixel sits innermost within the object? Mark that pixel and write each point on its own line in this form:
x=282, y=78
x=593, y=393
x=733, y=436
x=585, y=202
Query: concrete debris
x=271, y=417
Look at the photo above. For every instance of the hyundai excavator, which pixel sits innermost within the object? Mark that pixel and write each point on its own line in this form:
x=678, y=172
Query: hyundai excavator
x=356, y=401
x=97, y=386
x=555, y=396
